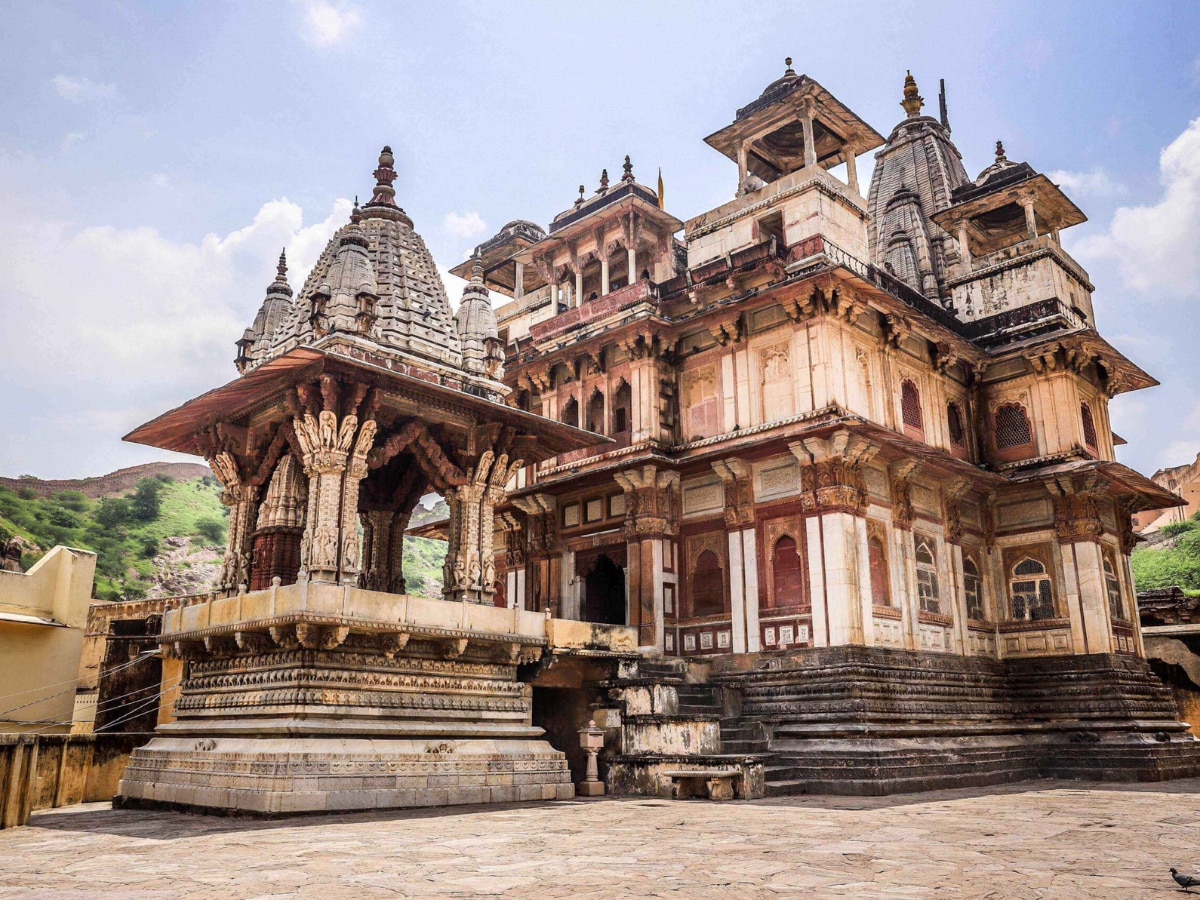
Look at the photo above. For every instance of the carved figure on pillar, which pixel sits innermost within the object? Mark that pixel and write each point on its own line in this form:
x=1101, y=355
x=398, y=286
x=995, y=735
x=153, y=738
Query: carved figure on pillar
x=335, y=460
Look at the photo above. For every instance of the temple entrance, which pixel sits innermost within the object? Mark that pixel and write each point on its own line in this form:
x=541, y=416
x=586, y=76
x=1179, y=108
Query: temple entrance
x=604, y=595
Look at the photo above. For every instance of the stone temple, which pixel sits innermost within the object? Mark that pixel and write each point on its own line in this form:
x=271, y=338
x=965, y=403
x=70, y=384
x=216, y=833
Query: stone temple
x=811, y=492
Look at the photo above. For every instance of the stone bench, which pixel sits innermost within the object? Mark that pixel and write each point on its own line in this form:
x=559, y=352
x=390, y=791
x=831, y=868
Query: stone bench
x=687, y=784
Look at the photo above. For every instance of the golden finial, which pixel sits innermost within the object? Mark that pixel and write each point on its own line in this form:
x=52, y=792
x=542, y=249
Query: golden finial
x=912, y=101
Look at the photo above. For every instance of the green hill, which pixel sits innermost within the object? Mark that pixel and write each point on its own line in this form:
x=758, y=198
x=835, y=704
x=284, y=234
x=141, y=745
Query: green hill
x=158, y=536
x=1171, y=557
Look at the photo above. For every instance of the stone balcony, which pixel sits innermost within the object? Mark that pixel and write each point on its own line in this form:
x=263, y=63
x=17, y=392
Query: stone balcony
x=593, y=310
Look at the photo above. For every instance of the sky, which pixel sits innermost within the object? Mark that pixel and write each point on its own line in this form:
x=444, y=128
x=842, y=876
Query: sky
x=154, y=157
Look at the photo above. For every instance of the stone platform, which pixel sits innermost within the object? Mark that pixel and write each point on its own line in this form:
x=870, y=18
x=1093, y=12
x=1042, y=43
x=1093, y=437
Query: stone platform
x=316, y=697
x=872, y=721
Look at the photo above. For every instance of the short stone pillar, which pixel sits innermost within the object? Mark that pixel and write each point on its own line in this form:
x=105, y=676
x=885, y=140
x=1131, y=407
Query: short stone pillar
x=591, y=739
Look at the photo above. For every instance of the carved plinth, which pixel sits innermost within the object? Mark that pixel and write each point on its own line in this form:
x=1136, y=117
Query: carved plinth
x=318, y=697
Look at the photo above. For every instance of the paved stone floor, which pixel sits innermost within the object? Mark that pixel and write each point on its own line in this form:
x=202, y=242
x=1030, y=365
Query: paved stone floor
x=1041, y=839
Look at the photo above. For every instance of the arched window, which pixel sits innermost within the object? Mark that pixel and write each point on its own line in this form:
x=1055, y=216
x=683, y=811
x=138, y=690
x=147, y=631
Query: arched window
x=570, y=412
x=928, y=591
x=1089, y=427
x=1014, y=434
x=954, y=425
x=595, y=413
x=973, y=590
x=708, y=585
x=786, y=574
x=622, y=409
x=880, y=593
x=910, y=410
x=1112, y=587
x=1032, y=596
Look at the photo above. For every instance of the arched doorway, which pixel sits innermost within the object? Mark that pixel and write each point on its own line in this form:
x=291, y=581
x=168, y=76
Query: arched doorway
x=604, y=593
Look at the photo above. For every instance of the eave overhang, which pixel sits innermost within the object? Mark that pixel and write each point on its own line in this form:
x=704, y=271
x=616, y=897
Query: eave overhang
x=177, y=429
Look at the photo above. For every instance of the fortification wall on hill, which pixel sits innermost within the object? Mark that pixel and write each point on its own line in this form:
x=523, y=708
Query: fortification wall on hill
x=116, y=482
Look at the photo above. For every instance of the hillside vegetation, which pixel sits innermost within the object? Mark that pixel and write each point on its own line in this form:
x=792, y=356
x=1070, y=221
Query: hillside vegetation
x=134, y=536
x=162, y=536
x=1173, y=559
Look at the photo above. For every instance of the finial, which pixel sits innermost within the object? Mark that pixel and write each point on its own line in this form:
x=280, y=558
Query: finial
x=912, y=101
x=281, y=269
x=356, y=213
x=788, y=71
x=603, y=181
x=628, y=167
x=384, y=193
x=579, y=199
x=942, y=105
x=477, y=269
x=1000, y=151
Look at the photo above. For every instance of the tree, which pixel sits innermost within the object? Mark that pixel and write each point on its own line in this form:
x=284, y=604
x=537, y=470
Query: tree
x=147, y=500
x=114, y=512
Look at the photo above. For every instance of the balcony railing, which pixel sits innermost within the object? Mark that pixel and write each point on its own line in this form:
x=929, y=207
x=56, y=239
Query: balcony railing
x=591, y=310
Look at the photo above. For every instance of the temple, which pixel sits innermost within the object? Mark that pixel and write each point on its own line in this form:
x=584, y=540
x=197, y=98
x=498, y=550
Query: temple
x=809, y=492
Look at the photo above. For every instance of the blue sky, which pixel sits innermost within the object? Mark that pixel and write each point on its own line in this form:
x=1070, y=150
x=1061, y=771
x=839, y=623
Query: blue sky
x=155, y=156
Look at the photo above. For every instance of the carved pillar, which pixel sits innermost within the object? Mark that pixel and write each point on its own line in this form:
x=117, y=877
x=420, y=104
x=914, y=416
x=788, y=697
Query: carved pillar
x=1077, y=525
x=544, y=553
x=383, y=550
x=651, y=514
x=242, y=500
x=279, y=527
x=470, y=570
x=831, y=479
x=810, y=146
x=334, y=453
x=743, y=555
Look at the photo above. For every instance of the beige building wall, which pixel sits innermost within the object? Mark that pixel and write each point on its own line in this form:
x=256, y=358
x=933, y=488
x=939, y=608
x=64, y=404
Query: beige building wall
x=42, y=617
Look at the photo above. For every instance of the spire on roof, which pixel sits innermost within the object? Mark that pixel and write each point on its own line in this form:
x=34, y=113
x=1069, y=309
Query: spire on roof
x=384, y=193
x=579, y=199
x=603, y=189
x=1000, y=157
x=789, y=70
x=942, y=105
x=912, y=101
x=628, y=167
x=281, y=268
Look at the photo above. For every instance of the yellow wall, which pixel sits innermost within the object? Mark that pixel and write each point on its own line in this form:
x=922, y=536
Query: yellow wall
x=40, y=662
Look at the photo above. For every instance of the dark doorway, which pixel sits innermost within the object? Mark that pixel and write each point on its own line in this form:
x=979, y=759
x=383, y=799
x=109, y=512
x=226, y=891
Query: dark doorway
x=604, y=599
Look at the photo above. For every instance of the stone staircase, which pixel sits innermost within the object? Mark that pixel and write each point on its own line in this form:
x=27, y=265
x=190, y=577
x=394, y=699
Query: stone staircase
x=669, y=724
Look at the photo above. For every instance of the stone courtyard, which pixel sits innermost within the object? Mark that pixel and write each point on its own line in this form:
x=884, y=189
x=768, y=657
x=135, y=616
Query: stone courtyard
x=1031, y=840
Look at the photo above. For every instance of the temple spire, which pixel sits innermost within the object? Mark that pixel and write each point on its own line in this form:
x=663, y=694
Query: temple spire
x=628, y=167
x=281, y=268
x=912, y=101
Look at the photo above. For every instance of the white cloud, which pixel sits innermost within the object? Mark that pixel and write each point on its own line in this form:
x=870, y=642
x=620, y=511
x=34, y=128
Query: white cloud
x=110, y=326
x=328, y=23
x=1156, y=246
x=81, y=90
x=465, y=225
x=1096, y=183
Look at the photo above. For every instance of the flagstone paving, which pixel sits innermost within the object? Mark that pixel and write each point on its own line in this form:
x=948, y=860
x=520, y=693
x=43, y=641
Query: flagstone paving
x=1040, y=839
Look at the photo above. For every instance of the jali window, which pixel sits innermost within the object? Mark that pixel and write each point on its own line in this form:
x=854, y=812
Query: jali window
x=1112, y=587
x=910, y=410
x=1089, y=427
x=973, y=590
x=1014, y=434
x=1032, y=596
x=928, y=590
